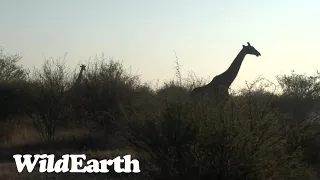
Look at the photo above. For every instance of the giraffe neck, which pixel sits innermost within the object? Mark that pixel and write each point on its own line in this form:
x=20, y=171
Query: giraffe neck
x=227, y=77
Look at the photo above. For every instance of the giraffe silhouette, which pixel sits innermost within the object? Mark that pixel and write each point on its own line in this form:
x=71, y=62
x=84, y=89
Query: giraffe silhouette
x=75, y=94
x=217, y=89
x=73, y=90
x=79, y=78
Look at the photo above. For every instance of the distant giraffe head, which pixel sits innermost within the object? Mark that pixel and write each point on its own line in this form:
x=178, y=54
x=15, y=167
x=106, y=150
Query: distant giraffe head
x=251, y=50
x=83, y=67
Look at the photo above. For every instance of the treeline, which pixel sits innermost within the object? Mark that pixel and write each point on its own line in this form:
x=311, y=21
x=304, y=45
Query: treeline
x=258, y=134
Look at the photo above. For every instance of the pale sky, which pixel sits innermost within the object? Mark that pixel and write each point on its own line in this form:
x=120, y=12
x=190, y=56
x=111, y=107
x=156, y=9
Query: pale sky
x=206, y=34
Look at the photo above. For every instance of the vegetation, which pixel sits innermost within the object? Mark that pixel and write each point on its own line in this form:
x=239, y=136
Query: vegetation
x=256, y=134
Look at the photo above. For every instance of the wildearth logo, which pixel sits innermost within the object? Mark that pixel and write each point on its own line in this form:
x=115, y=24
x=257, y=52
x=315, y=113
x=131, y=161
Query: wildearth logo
x=48, y=163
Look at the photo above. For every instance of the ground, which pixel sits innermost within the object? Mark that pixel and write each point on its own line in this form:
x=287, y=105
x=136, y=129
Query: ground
x=23, y=138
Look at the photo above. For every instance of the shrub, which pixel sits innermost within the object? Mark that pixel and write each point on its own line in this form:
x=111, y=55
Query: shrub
x=299, y=99
x=11, y=75
x=108, y=92
x=9, y=68
x=198, y=141
x=48, y=106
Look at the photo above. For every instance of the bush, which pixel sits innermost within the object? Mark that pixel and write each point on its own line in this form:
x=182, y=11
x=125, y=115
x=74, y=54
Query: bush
x=11, y=75
x=299, y=100
x=257, y=134
x=48, y=106
x=198, y=141
x=9, y=69
x=107, y=93
x=173, y=92
x=299, y=93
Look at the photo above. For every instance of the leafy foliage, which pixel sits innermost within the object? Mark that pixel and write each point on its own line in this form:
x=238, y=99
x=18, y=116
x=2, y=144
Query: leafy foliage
x=9, y=69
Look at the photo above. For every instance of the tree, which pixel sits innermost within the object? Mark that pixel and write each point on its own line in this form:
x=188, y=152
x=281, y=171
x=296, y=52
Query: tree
x=9, y=69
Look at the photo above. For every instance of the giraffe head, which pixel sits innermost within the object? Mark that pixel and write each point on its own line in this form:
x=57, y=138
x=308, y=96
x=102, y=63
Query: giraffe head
x=251, y=50
x=83, y=67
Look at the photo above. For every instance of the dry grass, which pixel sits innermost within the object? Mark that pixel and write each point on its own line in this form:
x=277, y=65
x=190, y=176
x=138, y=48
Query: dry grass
x=23, y=132
x=22, y=137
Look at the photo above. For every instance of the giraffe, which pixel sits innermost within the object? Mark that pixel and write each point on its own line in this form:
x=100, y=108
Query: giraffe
x=217, y=89
x=74, y=88
x=75, y=94
x=78, y=80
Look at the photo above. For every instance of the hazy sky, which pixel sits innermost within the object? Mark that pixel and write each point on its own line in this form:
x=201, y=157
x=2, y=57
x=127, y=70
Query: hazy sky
x=206, y=35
